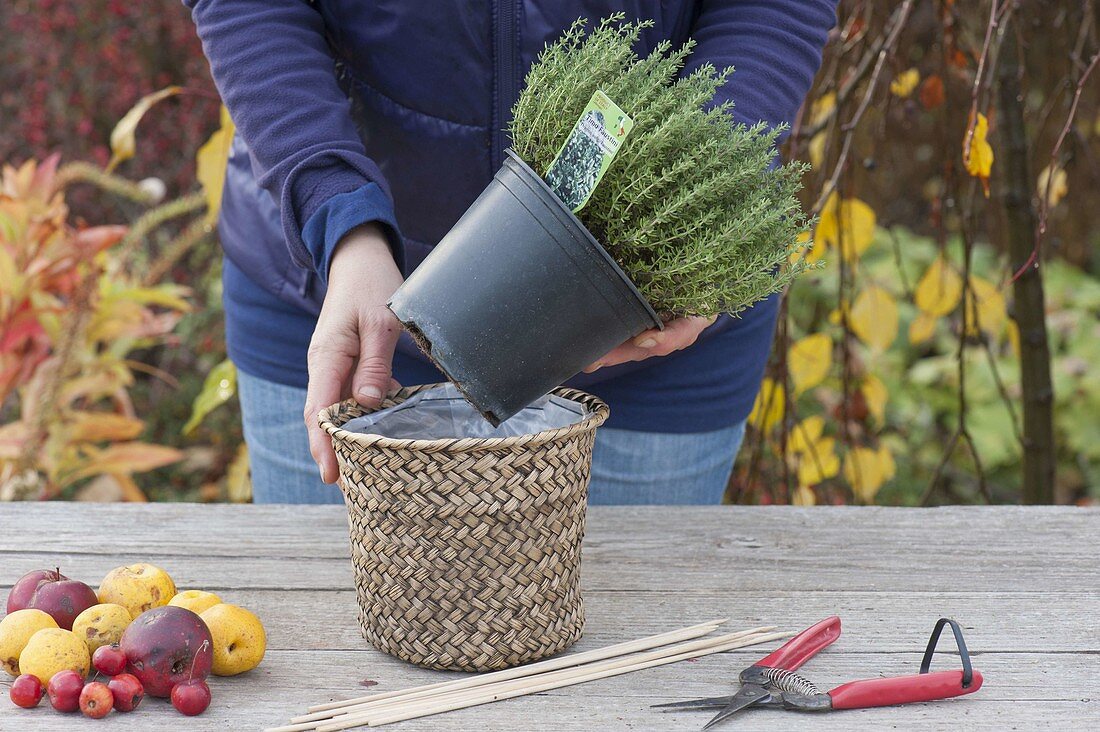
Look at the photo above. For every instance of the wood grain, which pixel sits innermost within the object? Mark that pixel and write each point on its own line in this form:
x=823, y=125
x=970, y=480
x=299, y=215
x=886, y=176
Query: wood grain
x=1022, y=581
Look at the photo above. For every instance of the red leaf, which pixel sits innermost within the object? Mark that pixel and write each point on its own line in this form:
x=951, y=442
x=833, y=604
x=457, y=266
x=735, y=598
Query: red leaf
x=96, y=239
x=931, y=92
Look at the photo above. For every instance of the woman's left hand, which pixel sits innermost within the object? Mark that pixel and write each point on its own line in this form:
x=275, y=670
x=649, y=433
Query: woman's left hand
x=677, y=335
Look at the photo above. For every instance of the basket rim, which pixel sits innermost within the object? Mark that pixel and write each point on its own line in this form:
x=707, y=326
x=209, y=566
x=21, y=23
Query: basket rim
x=597, y=408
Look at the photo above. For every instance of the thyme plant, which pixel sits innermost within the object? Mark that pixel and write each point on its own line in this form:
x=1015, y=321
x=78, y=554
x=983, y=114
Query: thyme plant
x=690, y=207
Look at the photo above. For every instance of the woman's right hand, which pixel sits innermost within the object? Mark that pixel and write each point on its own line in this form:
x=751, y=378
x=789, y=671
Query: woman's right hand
x=351, y=353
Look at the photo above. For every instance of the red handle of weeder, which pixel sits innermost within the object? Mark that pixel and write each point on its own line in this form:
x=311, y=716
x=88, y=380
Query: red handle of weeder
x=795, y=652
x=902, y=690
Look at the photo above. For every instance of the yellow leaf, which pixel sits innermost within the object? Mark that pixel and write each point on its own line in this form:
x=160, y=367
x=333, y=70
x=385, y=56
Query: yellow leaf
x=806, y=433
x=822, y=107
x=979, y=156
x=818, y=463
x=210, y=165
x=1058, y=185
x=886, y=464
x=219, y=387
x=803, y=496
x=808, y=361
x=238, y=480
x=990, y=315
x=167, y=296
x=768, y=408
x=875, y=394
x=102, y=426
x=124, y=135
x=847, y=224
x=939, y=290
x=125, y=458
x=874, y=317
x=805, y=249
x=1014, y=337
x=863, y=469
x=816, y=149
x=905, y=83
x=819, y=112
x=922, y=328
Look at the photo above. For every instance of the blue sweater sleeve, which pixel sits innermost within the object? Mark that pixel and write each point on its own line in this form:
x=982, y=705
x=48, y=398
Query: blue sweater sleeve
x=774, y=47
x=276, y=74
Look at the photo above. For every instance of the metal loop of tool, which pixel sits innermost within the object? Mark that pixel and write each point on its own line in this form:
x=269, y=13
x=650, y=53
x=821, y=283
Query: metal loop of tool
x=785, y=680
x=926, y=663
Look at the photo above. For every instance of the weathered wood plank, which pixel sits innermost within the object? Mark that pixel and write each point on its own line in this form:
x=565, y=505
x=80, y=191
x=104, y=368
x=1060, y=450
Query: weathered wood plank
x=797, y=549
x=1021, y=581
x=873, y=622
x=288, y=682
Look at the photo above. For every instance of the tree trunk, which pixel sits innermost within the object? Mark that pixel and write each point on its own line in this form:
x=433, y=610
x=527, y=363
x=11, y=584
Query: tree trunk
x=1029, y=303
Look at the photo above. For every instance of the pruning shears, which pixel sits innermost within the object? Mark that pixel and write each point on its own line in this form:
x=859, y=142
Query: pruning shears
x=772, y=681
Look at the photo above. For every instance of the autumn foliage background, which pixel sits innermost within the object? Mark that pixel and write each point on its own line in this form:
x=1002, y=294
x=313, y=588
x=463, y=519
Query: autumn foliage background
x=944, y=195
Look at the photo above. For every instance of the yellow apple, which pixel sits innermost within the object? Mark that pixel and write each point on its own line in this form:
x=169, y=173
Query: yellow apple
x=239, y=639
x=15, y=630
x=137, y=587
x=196, y=601
x=52, y=650
x=101, y=625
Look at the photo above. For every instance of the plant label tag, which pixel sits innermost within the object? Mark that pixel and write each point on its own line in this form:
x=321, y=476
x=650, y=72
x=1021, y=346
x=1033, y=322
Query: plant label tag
x=588, y=151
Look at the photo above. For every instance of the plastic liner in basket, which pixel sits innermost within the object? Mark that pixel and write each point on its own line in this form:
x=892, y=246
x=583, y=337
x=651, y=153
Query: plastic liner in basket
x=442, y=413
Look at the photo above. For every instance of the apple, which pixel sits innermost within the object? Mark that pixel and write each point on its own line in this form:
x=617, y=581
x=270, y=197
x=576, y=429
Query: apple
x=128, y=692
x=109, y=660
x=21, y=593
x=64, y=690
x=63, y=600
x=191, y=697
x=166, y=646
x=96, y=700
x=26, y=691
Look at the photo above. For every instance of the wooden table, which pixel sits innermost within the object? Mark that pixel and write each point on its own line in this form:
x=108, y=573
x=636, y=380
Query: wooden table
x=1022, y=581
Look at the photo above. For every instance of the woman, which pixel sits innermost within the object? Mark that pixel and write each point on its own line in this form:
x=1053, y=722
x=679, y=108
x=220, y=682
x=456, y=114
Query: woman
x=365, y=130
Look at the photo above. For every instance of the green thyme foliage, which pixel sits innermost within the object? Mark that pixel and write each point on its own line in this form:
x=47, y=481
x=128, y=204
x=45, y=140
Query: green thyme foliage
x=690, y=207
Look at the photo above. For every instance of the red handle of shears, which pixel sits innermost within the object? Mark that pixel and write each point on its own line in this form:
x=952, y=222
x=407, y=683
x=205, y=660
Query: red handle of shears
x=795, y=652
x=902, y=690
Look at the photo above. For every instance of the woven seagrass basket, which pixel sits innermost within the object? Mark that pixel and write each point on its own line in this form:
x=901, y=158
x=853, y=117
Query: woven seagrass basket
x=467, y=551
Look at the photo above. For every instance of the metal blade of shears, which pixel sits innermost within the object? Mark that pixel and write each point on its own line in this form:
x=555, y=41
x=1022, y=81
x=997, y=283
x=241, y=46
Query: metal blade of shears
x=713, y=702
x=749, y=695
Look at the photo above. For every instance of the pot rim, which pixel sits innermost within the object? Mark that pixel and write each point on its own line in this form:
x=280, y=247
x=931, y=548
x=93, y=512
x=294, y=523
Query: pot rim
x=598, y=411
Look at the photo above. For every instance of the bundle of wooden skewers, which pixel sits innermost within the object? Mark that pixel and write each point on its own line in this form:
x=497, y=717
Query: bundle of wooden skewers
x=376, y=710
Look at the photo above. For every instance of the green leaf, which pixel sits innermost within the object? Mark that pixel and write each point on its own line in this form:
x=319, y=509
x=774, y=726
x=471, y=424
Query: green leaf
x=991, y=428
x=219, y=387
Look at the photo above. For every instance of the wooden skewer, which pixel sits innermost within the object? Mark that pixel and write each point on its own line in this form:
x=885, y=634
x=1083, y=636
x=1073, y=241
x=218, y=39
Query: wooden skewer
x=388, y=705
x=597, y=654
x=474, y=697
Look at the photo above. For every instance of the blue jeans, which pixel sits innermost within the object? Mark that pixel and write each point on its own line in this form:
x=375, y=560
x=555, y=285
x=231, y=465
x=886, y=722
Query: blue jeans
x=628, y=467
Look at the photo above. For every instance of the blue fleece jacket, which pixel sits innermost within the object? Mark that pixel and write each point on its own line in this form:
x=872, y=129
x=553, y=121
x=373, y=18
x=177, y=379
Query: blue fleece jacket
x=394, y=111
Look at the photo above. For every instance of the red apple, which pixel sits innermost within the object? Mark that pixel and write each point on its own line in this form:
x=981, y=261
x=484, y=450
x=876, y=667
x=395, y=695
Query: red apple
x=26, y=691
x=20, y=596
x=64, y=690
x=96, y=700
x=191, y=697
x=63, y=600
x=166, y=646
x=109, y=660
x=128, y=692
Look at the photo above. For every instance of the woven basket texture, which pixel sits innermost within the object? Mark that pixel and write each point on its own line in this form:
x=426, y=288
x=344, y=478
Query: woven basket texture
x=467, y=551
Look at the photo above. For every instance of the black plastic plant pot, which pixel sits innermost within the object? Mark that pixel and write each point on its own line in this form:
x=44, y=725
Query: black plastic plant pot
x=518, y=296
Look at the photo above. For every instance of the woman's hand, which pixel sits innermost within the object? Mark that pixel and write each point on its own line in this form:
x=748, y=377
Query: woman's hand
x=351, y=352
x=677, y=335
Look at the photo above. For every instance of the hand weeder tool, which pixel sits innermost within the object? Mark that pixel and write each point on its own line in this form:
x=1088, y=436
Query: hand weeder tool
x=772, y=681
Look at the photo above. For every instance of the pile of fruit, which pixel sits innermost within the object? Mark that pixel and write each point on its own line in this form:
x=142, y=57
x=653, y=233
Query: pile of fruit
x=137, y=633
